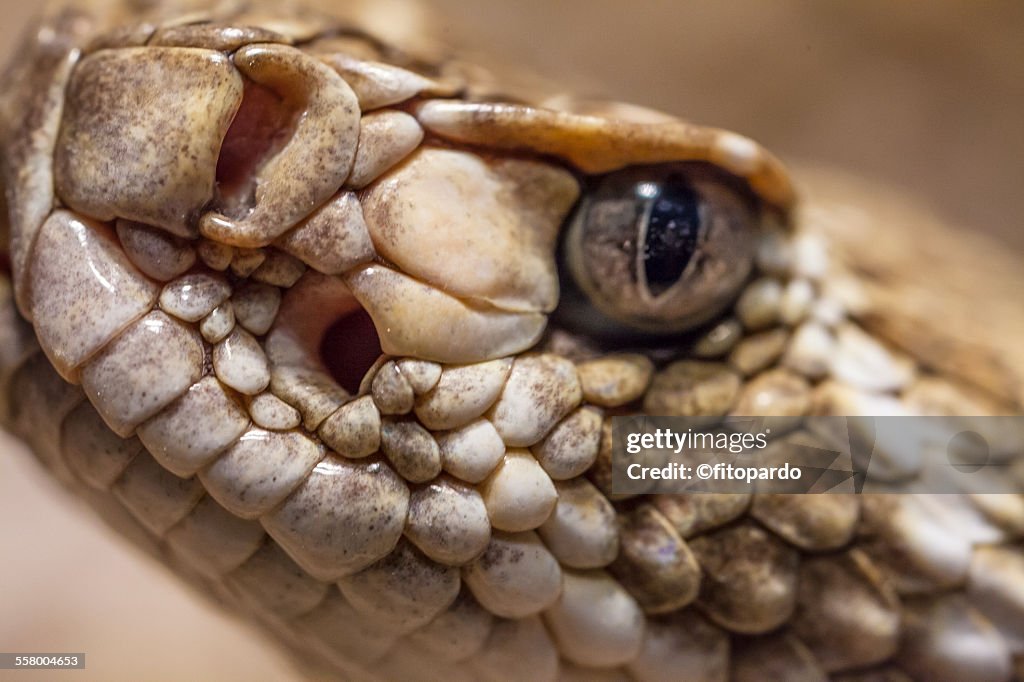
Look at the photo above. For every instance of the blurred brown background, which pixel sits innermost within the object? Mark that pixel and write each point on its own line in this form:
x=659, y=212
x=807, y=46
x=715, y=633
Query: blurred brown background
x=925, y=97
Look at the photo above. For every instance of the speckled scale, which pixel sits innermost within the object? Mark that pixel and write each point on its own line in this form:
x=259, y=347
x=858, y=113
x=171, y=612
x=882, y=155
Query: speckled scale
x=307, y=524
x=115, y=159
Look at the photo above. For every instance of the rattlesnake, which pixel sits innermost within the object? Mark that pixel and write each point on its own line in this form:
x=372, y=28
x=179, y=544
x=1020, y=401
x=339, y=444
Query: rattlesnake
x=203, y=207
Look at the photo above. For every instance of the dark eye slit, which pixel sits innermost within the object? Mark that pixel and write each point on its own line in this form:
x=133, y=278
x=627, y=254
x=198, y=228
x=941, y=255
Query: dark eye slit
x=671, y=234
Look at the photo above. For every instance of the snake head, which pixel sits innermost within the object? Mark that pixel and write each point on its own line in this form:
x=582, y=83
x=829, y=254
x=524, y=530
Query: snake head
x=342, y=333
x=441, y=218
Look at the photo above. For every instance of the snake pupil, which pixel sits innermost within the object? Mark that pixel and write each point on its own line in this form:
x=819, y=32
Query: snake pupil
x=672, y=234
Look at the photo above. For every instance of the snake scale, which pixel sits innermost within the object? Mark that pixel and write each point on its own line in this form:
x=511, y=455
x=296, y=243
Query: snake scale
x=215, y=215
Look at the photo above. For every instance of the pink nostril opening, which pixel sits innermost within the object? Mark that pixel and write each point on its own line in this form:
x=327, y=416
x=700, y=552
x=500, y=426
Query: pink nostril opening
x=349, y=348
x=262, y=126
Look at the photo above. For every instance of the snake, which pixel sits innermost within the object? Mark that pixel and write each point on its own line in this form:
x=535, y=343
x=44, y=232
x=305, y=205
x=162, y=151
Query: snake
x=336, y=327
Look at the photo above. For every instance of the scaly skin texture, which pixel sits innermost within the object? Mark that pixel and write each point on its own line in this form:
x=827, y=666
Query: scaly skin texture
x=193, y=203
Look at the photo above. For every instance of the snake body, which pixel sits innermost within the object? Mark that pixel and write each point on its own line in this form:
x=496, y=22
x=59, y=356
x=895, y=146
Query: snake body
x=202, y=206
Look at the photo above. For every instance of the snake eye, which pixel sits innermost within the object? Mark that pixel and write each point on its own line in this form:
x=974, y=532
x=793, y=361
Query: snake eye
x=657, y=249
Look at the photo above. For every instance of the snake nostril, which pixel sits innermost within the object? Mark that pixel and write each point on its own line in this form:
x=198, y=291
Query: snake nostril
x=349, y=348
x=262, y=126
